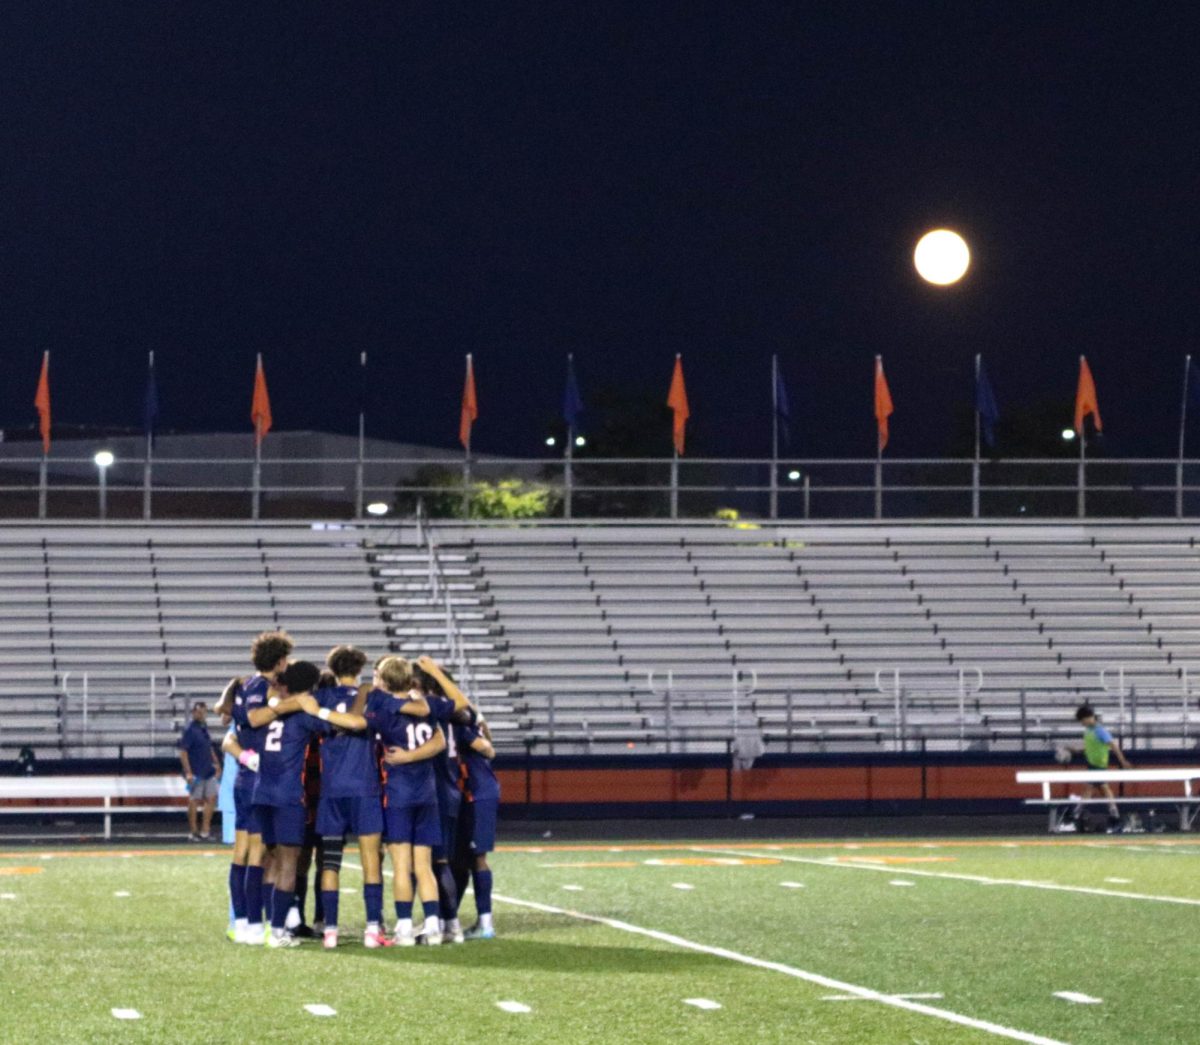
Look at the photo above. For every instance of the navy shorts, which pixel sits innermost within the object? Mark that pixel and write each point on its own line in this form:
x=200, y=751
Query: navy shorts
x=358, y=815
x=243, y=812
x=483, y=830
x=282, y=825
x=419, y=825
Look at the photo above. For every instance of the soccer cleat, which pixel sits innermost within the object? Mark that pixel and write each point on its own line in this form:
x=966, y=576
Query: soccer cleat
x=454, y=932
x=255, y=935
x=1069, y=827
x=374, y=937
x=279, y=940
x=403, y=938
x=477, y=932
x=231, y=934
x=329, y=939
x=305, y=932
x=318, y=927
x=433, y=939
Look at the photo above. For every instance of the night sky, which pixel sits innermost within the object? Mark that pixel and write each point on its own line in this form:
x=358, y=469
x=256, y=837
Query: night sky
x=625, y=181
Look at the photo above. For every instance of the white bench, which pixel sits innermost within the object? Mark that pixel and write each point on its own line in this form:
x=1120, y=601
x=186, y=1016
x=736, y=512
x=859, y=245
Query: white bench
x=1058, y=807
x=18, y=795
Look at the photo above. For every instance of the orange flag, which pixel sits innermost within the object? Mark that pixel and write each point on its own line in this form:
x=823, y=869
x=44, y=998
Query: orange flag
x=470, y=406
x=1085, y=398
x=42, y=402
x=677, y=400
x=260, y=405
x=883, y=403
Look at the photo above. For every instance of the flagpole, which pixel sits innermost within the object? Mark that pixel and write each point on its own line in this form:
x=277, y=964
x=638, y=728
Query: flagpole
x=975, y=466
x=1187, y=366
x=466, y=497
x=362, y=436
x=43, y=472
x=569, y=452
x=774, y=436
x=878, y=459
x=146, y=472
x=1081, y=506
x=258, y=438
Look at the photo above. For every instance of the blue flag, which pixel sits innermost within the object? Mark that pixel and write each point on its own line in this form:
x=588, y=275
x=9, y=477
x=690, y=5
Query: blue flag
x=151, y=402
x=782, y=409
x=572, y=401
x=985, y=405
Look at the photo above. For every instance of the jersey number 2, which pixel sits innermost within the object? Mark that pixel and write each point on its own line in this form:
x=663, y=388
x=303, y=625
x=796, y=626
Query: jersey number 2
x=275, y=736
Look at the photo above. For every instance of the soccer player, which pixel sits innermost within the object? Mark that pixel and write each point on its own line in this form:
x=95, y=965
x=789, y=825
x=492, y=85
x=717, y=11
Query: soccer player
x=310, y=851
x=1098, y=745
x=350, y=798
x=203, y=771
x=279, y=798
x=411, y=824
x=483, y=797
x=269, y=654
x=448, y=705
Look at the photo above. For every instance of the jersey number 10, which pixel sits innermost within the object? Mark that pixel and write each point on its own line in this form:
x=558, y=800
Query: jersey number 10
x=418, y=734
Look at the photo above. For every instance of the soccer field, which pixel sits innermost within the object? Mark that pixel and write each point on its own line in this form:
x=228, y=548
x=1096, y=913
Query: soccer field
x=1042, y=940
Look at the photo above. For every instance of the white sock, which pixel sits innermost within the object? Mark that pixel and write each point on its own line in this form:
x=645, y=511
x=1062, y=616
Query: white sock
x=485, y=921
x=372, y=927
x=293, y=918
x=454, y=926
x=404, y=927
x=432, y=926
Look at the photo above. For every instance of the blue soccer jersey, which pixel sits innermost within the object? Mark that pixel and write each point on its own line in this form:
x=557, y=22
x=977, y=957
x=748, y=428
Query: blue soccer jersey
x=349, y=768
x=413, y=783
x=251, y=694
x=445, y=763
x=482, y=784
x=281, y=760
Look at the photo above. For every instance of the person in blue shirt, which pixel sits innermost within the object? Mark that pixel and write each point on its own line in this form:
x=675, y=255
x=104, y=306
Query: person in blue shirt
x=447, y=705
x=269, y=655
x=483, y=801
x=411, y=824
x=203, y=771
x=279, y=795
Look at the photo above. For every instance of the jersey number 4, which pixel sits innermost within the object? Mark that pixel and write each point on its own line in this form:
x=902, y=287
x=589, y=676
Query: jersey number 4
x=274, y=740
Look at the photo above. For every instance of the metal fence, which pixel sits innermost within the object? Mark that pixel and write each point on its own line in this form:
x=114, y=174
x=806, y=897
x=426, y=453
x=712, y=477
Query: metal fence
x=585, y=487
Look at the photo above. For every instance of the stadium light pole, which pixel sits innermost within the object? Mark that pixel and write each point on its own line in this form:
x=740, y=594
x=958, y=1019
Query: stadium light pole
x=103, y=461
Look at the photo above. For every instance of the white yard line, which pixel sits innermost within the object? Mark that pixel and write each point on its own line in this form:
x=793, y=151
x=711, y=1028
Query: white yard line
x=849, y=865
x=788, y=970
x=1077, y=998
x=319, y=1009
x=702, y=1003
x=126, y=1014
x=855, y=997
x=513, y=1006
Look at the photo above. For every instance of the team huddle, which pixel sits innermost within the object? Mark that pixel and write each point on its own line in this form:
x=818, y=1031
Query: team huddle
x=404, y=763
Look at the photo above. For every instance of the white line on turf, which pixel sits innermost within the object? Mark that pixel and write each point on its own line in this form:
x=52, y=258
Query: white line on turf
x=127, y=1014
x=1077, y=998
x=513, y=1006
x=8, y=896
x=319, y=1009
x=121, y=893
x=573, y=888
x=1120, y=881
x=702, y=1003
x=855, y=997
x=900, y=881
x=827, y=982
x=792, y=885
x=1121, y=894
x=681, y=885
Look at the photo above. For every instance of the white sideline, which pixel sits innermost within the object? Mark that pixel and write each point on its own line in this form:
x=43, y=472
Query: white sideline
x=823, y=981
x=981, y=879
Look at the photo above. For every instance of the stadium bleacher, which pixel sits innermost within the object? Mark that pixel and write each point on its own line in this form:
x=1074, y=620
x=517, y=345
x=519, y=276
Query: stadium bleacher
x=579, y=638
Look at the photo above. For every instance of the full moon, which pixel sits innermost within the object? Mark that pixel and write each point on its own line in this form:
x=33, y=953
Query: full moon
x=941, y=257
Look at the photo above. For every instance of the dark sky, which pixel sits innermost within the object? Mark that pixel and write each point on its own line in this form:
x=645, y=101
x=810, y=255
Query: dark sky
x=624, y=181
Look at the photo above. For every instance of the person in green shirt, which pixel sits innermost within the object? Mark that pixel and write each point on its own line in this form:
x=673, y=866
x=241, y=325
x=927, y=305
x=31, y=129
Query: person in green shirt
x=1098, y=745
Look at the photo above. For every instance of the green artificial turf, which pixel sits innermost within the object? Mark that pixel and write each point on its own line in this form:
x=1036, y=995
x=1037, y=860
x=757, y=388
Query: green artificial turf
x=995, y=951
